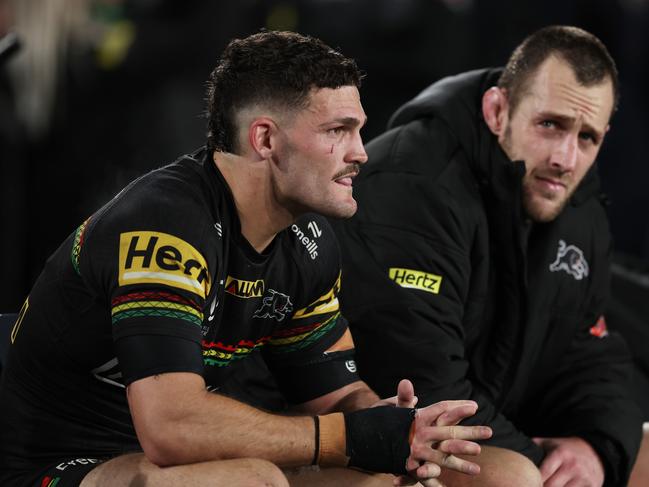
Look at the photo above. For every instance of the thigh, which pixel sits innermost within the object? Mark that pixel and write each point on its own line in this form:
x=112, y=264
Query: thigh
x=499, y=467
x=324, y=477
x=640, y=473
x=136, y=470
x=64, y=473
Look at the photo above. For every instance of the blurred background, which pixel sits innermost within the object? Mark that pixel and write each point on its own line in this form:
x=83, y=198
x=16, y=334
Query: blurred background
x=102, y=91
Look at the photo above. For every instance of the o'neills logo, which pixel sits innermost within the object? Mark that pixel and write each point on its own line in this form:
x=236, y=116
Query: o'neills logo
x=244, y=289
x=416, y=279
x=310, y=244
x=160, y=258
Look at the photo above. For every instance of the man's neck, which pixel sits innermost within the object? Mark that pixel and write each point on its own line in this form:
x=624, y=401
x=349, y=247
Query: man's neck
x=261, y=216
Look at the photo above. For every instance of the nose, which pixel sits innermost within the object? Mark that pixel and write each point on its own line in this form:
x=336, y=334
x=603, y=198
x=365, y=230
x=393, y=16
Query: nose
x=564, y=155
x=356, y=153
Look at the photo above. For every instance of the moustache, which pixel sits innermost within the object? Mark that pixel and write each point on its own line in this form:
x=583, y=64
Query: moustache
x=352, y=169
x=561, y=177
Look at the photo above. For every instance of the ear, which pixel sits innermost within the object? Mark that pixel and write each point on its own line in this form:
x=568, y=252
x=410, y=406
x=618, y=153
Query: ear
x=495, y=109
x=261, y=136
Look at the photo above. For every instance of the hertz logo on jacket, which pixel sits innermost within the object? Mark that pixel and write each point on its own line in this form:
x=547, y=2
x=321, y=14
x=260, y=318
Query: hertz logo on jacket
x=160, y=258
x=416, y=279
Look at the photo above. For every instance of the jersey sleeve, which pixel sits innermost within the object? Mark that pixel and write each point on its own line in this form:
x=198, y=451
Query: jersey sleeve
x=313, y=353
x=150, y=263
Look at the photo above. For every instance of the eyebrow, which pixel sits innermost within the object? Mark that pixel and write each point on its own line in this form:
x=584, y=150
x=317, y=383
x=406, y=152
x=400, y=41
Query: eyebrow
x=347, y=121
x=570, y=120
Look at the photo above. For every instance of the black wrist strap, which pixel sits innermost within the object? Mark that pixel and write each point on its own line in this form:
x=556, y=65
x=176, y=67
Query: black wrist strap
x=316, y=452
x=378, y=438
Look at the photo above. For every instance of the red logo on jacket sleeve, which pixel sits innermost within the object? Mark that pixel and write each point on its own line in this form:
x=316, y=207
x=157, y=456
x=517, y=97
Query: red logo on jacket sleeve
x=599, y=330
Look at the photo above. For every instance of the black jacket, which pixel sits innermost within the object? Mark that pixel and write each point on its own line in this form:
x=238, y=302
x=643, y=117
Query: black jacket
x=447, y=283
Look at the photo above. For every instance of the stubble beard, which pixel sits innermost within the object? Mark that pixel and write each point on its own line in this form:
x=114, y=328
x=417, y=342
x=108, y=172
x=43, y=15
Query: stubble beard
x=539, y=207
x=323, y=204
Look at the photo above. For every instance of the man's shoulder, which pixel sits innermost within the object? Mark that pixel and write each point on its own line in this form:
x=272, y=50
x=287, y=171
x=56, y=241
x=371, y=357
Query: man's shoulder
x=174, y=194
x=313, y=243
x=418, y=175
x=162, y=218
x=423, y=145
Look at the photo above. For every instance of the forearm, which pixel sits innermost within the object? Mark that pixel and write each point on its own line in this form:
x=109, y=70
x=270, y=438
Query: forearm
x=195, y=426
x=351, y=397
x=360, y=398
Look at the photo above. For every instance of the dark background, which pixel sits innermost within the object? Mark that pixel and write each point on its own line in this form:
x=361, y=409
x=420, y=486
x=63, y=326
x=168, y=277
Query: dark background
x=117, y=117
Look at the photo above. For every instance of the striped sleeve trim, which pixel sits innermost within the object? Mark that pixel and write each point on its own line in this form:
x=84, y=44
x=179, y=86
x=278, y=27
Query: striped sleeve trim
x=221, y=355
x=155, y=304
x=327, y=303
x=297, y=339
x=77, y=244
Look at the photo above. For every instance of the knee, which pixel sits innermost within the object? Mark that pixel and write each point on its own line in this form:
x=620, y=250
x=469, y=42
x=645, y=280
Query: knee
x=266, y=474
x=510, y=469
x=640, y=472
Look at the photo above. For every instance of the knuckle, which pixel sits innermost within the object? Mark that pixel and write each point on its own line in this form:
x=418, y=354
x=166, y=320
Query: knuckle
x=446, y=459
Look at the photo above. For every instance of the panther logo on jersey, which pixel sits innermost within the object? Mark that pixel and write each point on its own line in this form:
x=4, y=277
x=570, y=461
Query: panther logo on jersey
x=275, y=305
x=570, y=259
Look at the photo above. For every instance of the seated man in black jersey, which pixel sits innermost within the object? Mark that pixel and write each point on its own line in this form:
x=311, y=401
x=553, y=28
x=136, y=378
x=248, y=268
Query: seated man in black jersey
x=488, y=254
x=144, y=315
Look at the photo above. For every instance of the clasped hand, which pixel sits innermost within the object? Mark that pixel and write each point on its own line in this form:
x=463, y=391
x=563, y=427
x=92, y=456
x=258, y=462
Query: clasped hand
x=435, y=438
x=570, y=461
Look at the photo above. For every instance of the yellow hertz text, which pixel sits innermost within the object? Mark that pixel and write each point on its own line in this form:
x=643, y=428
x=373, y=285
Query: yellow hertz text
x=160, y=258
x=416, y=279
x=244, y=289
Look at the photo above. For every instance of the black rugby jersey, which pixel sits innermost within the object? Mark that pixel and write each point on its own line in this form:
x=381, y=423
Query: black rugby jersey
x=161, y=280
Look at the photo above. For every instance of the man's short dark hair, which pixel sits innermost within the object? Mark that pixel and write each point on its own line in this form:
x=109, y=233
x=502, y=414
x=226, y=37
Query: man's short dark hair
x=584, y=53
x=275, y=69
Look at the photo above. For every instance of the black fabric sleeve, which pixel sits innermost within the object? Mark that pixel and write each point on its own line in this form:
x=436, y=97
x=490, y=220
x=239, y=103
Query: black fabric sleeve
x=142, y=356
x=312, y=380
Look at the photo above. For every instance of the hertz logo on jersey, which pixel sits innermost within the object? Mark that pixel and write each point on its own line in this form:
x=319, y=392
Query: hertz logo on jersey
x=244, y=289
x=416, y=279
x=160, y=258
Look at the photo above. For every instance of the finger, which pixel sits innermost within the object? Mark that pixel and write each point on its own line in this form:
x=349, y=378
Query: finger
x=405, y=394
x=431, y=483
x=412, y=462
x=454, y=415
x=427, y=471
x=459, y=447
x=401, y=480
x=441, y=433
x=389, y=401
x=444, y=460
x=560, y=477
x=549, y=466
x=458, y=464
x=576, y=483
x=431, y=413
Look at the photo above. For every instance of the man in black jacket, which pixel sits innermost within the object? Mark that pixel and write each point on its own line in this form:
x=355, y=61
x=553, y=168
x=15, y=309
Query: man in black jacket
x=487, y=248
